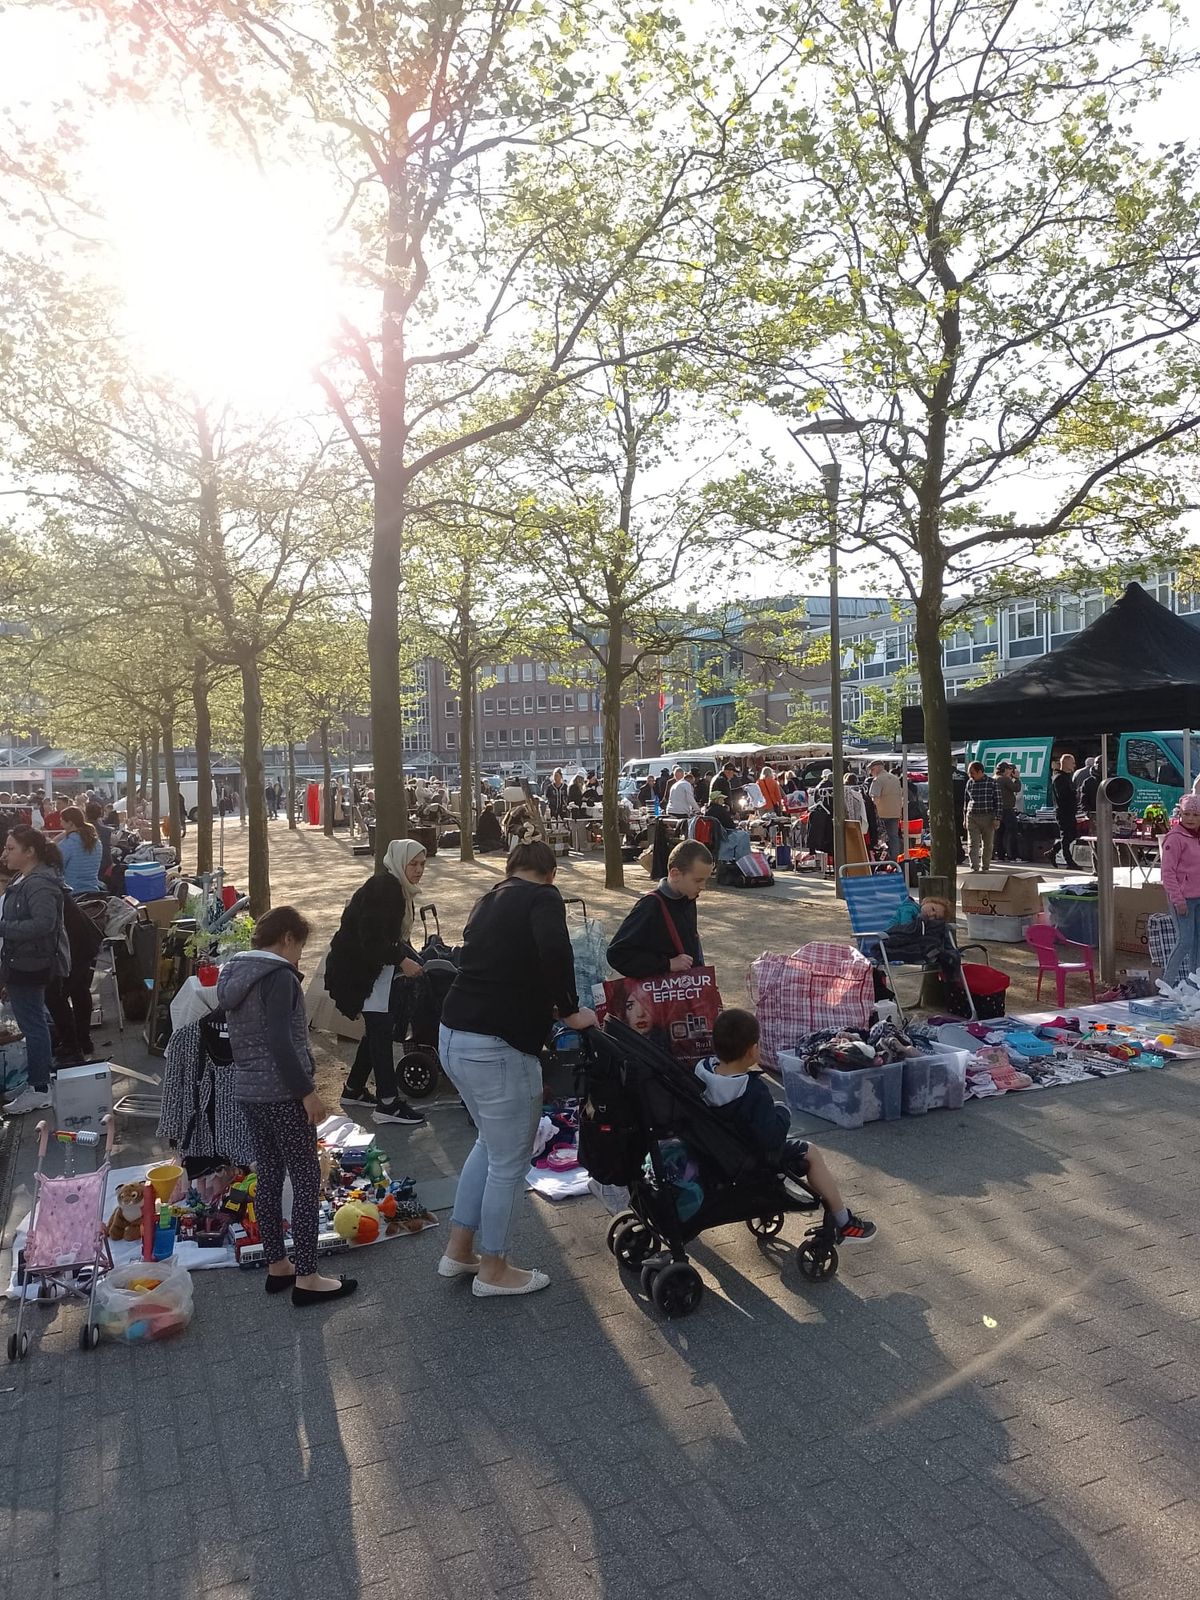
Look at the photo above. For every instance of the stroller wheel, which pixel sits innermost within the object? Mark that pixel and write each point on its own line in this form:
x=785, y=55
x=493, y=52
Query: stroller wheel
x=766, y=1227
x=89, y=1336
x=18, y=1346
x=816, y=1260
x=677, y=1289
x=615, y=1226
x=418, y=1072
x=633, y=1244
x=12, y=1347
x=650, y=1271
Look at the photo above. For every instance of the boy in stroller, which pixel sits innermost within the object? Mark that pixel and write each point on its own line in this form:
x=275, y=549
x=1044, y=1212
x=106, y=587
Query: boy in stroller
x=734, y=1088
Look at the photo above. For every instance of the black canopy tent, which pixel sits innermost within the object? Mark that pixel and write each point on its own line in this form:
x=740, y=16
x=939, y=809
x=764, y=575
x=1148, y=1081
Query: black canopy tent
x=1135, y=667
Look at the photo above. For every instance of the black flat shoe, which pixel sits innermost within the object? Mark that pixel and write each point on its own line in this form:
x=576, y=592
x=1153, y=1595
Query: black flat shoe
x=315, y=1297
x=277, y=1282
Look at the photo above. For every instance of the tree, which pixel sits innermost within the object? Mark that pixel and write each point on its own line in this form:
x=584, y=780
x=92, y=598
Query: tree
x=474, y=151
x=471, y=598
x=1016, y=299
x=749, y=724
x=611, y=554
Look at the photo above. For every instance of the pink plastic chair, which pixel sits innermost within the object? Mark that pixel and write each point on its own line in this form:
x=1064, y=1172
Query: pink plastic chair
x=1047, y=942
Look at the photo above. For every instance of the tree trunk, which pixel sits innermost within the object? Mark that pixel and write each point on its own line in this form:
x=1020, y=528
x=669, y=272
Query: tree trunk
x=171, y=784
x=351, y=808
x=942, y=824
x=144, y=753
x=466, y=762
x=130, y=780
x=326, y=781
x=254, y=799
x=152, y=787
x=204, y=781
x=614, y=861
x=391, y=487
x=291, y=783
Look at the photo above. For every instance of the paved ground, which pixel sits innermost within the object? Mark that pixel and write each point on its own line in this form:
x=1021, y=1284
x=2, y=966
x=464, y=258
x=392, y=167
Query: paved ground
x=1000, y=1397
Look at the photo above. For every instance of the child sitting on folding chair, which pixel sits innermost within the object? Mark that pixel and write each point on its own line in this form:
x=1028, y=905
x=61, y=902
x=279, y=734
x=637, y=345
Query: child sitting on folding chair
x=924, y=934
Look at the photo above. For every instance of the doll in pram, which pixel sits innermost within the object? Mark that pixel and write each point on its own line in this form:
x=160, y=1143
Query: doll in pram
x=639, y=1103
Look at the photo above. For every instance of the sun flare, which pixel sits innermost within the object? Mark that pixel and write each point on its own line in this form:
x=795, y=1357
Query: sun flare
x=221, y=273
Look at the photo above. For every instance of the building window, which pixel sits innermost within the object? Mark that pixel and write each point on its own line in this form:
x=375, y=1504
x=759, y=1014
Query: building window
x=596, y=733
x=528, y=705
x=1025, y=620
x=556, y=702
x=528, y=736
x=570, y=735
x=555, y=735
x=451, y=740
x=1065, y=618
x=503, y=736
x=543, y=736
x=489, y=707
x=489, y=739
x=541, y=704
x=540, y=668
x=527, y=672
x=1094, y=606
x=451, y=708
x=568, y=702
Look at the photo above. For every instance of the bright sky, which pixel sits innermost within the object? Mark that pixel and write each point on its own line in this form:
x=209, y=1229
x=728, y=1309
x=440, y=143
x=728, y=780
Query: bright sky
x=223, y=275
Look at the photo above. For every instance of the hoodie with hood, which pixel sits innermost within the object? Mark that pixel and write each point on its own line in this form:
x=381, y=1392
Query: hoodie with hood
x=1181, y=863
x=263, y=1000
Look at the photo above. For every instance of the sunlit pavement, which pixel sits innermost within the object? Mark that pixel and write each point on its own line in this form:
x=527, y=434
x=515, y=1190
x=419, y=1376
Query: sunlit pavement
x=999, y=1397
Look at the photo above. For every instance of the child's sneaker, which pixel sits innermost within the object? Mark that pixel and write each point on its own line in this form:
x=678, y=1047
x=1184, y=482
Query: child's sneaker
x=857, y=1230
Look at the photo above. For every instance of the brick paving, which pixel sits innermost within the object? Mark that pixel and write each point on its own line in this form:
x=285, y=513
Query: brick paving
x=999, y=1397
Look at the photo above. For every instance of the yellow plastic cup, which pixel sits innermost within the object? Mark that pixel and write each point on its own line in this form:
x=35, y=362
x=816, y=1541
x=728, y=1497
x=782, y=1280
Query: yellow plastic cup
x=164, y=1179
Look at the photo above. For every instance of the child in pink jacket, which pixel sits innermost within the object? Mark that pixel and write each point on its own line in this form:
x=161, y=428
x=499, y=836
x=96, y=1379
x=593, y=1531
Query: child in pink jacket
x=1181, y=880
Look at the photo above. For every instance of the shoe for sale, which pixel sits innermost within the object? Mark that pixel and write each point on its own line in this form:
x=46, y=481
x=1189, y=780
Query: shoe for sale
x=29, y=1099
x=400, y=1111
x=857, y=1230
x=357, y=1097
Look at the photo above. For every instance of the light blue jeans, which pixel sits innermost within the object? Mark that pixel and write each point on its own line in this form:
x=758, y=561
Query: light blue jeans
x=502, y=1089
x=1186, y=955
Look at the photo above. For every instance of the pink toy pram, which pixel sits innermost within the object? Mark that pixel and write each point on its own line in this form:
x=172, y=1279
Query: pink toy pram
x=66, y=1251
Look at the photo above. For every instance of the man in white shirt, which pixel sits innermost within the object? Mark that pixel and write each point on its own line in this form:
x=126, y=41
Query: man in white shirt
x=889, y=803
x=681, y=801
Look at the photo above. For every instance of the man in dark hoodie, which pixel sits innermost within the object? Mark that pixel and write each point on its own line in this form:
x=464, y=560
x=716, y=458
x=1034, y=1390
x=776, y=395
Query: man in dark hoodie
x=263, y=1000
x=660, y=933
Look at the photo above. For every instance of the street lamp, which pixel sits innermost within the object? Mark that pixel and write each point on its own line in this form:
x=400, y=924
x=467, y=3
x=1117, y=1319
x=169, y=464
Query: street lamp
x=831, y=478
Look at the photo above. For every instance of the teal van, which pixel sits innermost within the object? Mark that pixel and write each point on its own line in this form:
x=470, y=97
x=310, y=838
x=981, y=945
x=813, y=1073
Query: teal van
x=1153, y=763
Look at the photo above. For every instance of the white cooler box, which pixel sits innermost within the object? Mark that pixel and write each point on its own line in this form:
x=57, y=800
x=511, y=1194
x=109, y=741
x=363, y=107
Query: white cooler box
x=82, y=1097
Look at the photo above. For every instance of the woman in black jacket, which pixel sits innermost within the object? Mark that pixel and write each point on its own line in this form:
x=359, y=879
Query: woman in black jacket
x=369, y=960
x=35, y=951
x=516, y=970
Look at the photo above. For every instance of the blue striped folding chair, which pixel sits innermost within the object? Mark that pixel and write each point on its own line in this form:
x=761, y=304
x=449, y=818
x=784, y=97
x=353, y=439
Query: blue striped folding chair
x=873, y=899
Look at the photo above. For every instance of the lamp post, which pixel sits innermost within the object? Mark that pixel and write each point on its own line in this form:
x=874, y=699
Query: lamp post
x=831, y=478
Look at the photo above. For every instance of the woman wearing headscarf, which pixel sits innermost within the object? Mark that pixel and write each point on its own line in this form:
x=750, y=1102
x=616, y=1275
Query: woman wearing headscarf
x=369, y=960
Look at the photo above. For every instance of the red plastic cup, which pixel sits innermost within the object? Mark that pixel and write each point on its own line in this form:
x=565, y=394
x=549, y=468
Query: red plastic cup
x=207, y=972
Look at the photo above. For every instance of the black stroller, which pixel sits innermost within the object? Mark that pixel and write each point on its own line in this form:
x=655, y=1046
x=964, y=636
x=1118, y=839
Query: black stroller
x=636, y=1095
x=420, y=1067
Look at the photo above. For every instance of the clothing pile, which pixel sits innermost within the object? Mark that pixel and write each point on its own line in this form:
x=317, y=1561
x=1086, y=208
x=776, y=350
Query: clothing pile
x=556, y=1143
x=850, y=1049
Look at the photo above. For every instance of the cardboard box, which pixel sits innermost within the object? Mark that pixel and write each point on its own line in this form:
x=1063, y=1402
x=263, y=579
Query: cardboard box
x=1132, y=910
x=1001, y=894
x=82, y=1097
x=162, y=912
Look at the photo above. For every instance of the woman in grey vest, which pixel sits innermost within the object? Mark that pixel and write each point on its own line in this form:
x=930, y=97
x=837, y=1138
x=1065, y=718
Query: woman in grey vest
x=263, y=1000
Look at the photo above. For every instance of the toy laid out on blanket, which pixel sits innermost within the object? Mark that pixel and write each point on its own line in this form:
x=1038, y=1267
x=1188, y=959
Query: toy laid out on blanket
x=66, y=1251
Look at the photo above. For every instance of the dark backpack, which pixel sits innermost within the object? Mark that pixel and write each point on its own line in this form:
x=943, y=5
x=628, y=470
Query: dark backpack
x=612, y=1145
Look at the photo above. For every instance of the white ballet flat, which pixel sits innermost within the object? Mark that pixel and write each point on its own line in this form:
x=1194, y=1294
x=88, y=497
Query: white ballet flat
x=449, y=1268
x=537, y=1280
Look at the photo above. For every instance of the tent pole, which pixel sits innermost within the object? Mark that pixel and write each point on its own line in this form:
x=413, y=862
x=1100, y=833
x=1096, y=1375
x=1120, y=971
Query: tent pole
x=905, y=837
x=1187, y=760
x=1104, y=871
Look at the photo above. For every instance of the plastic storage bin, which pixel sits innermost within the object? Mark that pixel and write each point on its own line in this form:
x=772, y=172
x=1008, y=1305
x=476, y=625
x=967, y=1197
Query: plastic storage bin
x=934, y=1082
x=997, y=930
x=846, y=1098
x=145, y=880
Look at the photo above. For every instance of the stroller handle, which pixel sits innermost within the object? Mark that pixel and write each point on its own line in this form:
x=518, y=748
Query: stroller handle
x=84, y=1136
